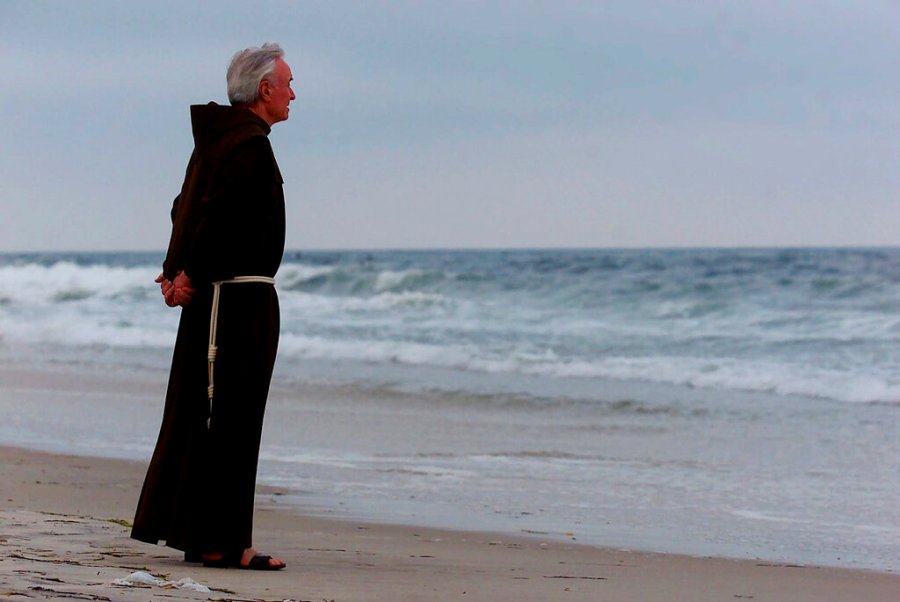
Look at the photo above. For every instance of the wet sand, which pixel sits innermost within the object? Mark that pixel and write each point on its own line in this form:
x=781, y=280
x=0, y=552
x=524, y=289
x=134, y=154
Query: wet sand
x=65, y=536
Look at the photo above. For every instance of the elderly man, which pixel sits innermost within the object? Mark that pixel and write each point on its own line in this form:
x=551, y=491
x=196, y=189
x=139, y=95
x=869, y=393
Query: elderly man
x=226, y=245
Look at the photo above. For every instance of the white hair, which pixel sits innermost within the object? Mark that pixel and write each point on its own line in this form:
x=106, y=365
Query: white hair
x=248, y=67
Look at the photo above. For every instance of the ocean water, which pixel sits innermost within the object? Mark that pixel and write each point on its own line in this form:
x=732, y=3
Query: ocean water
x=732, y=402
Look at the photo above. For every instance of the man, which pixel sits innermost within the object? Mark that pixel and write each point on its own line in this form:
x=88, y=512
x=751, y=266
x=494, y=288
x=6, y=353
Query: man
x=226, y=245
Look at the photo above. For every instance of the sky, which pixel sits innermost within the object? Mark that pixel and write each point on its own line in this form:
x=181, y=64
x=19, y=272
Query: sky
x=443, y=124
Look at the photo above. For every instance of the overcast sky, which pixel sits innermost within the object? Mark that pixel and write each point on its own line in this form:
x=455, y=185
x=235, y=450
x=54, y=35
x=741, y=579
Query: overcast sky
x=624, y=123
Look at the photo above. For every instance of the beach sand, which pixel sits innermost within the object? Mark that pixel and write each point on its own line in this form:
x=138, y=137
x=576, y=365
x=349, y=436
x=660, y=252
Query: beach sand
x=65, y=536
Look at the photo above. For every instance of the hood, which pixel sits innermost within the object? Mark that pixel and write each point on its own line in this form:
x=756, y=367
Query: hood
x=211, y=121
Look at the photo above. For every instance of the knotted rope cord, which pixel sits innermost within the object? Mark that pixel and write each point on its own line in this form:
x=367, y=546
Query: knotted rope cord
x=213, y=325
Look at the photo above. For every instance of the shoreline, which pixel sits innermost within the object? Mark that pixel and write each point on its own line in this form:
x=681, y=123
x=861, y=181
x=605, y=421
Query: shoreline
x=349, y=436
x=64, y=532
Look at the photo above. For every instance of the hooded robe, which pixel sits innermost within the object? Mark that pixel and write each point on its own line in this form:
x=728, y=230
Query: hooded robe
x=228, y=221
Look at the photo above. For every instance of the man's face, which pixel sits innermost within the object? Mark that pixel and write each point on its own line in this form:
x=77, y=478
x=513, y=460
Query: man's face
x=280, y=92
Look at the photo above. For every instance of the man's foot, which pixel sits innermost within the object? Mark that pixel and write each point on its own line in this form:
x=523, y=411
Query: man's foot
x=250, y=559
x=261, y=562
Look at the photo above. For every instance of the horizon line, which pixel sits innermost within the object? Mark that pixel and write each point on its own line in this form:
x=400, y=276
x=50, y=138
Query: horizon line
x=414, y=249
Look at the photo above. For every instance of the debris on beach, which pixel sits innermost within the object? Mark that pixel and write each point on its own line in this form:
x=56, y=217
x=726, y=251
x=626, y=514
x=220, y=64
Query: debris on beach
x=143, y=578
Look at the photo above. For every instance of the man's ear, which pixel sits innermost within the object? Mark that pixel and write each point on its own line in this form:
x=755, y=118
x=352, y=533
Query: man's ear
x=265, y=89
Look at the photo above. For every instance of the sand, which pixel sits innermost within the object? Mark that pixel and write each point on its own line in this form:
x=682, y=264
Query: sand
x=64, y=535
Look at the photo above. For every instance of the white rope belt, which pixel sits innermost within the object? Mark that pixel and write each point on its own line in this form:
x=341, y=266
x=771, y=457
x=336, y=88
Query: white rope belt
x=213, y=324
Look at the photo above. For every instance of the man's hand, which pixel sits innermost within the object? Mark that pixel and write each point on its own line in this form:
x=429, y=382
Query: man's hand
x=165, y=286
x=184, y=291
x=176, y=292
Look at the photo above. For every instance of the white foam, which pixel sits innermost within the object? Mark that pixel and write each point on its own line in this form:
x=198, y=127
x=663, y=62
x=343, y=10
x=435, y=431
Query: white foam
x=334, y=308
x=842, y=352
x=857, y=385
x=293, y=274
x=376, y=351
x=33, y=283
x=389, y=280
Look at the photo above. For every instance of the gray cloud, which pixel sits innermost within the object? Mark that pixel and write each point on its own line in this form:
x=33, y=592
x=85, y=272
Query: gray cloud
x=468, y=124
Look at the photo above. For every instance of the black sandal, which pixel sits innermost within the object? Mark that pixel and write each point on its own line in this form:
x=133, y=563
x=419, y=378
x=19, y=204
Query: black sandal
x=259, y=562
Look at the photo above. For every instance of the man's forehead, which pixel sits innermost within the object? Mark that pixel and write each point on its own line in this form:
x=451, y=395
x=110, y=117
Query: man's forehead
x=282, y=65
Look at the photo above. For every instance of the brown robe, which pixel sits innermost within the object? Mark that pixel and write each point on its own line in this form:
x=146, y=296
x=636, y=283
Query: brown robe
x=228, y=221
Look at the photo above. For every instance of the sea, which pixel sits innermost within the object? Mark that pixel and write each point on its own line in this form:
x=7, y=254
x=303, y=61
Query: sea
x=728, y=402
